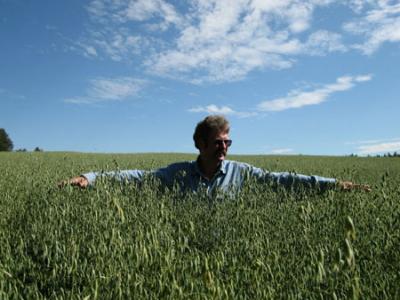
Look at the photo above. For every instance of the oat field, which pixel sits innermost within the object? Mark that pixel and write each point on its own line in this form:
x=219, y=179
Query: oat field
x=128, y=242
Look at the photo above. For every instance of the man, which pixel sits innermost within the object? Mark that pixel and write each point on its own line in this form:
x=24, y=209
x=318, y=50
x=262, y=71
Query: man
x=211, y=172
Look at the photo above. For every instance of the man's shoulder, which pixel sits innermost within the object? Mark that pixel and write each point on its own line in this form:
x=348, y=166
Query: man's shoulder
x=181, y=166
x=238, y=167
x=237, y=164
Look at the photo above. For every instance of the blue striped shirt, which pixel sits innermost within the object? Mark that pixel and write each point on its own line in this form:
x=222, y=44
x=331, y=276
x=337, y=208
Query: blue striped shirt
x=229, y=177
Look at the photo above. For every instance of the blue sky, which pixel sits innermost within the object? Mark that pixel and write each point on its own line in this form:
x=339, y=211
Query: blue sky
x=293, y=77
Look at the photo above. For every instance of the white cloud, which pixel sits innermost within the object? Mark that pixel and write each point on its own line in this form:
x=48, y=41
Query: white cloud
x=7, y=94
x=363, y=78
x=143, y=10
x=223, y=110
x=117, y=44
x=322, y=42
x=229, y=39
x=359, y=5
x=112, y=34
x=109, y=89
x=375, y=141
x=215, y=41
x=376, y=146
x=282, y=151
x=379, y=25
x=297, y=99
x=90, y=51
x=382, y=147
x=96, y=8
x=209, y=40
x=123, y=11
x=294, y=99
x=213, y=109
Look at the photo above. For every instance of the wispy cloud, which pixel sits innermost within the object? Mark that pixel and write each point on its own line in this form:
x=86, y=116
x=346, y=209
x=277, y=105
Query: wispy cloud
x=382, y=147
x=209, y=40
x=297, y=99
x=223, y=110
x=113, y=36
x=294, y=99
x=228, y=39
x=216, y=41
x=322, y=42
x=122, y=11
x=374, y=141
x=147, y=9
x=109, y=89
x=282, y=151
x=376, y=146
x=7, y=94
x=116, y=43
x=379, y=24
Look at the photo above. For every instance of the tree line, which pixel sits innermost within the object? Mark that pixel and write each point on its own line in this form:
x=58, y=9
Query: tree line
x=388, y=154
x=6, y=144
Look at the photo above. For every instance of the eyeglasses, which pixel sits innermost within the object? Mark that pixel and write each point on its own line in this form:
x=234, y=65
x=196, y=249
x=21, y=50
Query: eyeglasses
x=220, y=143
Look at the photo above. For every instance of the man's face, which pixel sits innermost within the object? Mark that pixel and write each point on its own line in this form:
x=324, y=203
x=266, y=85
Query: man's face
x=216, y=147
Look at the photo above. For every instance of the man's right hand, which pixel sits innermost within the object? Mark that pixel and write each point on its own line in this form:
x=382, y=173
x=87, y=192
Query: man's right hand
x=79, y=181
x=348, y=186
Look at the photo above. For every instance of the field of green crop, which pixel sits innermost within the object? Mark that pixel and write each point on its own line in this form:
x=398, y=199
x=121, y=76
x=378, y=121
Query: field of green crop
x=130, y=242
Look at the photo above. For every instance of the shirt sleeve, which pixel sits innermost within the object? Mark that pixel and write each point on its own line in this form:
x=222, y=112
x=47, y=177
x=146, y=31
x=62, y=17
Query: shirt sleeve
x=289, y=180
x=123, y=175
x=166, y=175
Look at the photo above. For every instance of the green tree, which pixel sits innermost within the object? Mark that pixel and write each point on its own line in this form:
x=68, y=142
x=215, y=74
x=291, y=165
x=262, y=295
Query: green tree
x=5, y=142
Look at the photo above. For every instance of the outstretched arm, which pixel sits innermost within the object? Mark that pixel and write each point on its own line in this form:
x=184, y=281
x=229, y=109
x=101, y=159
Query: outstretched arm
x=288, y=179
x=80, y=181
x=166, y=175
x=88, y=179
x=348, y=186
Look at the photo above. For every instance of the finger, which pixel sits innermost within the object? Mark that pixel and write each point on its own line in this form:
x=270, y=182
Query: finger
x=61, y=184
x=367, y=188
x=76, y=181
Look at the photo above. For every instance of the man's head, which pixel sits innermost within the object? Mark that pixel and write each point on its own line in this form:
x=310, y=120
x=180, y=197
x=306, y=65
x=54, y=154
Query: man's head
x=211, y=137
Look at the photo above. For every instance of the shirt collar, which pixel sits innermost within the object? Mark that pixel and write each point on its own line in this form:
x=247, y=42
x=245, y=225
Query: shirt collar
x=221, y=169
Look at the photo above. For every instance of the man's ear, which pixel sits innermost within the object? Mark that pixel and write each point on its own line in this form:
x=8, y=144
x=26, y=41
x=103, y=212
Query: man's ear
x=201, y=144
